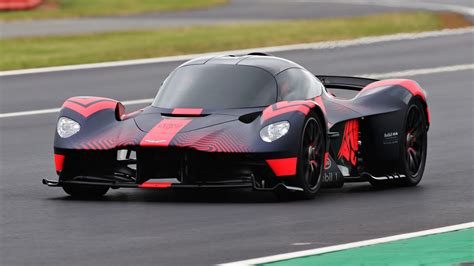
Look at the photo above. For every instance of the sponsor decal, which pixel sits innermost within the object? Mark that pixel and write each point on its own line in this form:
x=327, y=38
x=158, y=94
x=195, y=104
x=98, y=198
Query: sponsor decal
x=164, y=132
x=390, y=138
x=331, y=173
x=330, y=177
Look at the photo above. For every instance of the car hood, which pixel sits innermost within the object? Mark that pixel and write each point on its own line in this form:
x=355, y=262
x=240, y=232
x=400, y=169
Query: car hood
x=151, y=117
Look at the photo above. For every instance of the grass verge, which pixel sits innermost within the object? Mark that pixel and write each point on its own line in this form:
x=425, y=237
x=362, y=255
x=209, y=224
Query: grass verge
x=91, y=48
x=81, y=8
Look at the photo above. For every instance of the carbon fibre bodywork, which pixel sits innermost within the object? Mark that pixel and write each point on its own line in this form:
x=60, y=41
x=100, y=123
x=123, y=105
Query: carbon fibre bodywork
x=200, y=147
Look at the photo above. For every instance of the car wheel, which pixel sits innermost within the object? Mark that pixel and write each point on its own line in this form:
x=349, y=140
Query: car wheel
x=414, y=144
x=85, y=191
x=310, y=163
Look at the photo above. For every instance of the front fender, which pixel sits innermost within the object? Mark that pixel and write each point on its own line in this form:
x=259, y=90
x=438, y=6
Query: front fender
x=101, y=124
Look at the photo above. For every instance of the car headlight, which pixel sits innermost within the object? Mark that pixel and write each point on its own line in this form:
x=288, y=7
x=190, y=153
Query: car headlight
x=67, y=127
x=274, y=131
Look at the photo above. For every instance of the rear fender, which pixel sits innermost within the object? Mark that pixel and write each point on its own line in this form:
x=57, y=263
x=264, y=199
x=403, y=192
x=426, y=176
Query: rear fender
x=410, y=85
x=383, y=130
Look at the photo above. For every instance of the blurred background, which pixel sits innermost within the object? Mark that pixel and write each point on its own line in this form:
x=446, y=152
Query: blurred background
x=40, y=33
x=429, y=41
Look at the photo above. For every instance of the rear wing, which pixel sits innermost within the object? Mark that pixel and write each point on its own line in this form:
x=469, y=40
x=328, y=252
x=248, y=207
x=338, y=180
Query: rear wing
x=346, y=83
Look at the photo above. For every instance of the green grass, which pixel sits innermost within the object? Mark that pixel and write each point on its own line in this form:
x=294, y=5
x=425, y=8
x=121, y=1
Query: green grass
x=80, y=8
x=90, y=48
x=451, y=248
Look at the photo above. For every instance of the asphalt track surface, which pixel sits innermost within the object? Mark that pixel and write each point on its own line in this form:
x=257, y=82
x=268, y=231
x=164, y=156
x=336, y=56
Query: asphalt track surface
x=237, y=11
x=42, y=226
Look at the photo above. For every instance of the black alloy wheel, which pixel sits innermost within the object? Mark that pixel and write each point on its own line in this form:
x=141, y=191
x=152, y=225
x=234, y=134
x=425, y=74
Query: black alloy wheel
x=310, y=164
x=415, y=144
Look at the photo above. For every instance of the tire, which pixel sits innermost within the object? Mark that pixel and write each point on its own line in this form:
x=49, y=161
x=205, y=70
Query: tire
x=85, y=191
x=310, y=165
x=414, y=148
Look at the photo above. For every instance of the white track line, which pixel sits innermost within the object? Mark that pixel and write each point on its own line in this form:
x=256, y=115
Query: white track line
x=421, y=71
x=403, y=4
x=398, y=74
x=55, y=110
x=317, y=251
x=273, y=49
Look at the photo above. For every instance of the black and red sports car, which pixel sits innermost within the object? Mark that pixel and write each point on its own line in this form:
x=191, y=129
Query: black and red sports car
x=253, y=121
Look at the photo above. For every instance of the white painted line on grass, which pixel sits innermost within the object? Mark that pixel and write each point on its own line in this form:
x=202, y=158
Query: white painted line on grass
x=273, y=49
x=422, y=71
x=397, y=74
x=56, y=110
x=317, y=251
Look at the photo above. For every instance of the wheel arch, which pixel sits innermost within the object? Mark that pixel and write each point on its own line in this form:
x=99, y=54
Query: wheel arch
x=320, y=112
x=425, y=108
x=410, y=85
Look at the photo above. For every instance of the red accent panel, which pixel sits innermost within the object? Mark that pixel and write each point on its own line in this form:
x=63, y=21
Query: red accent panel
x=349, y=145
x=59, y=161
x=86, y=111
x=187, y=111
x=155, y=185
x=283, y=167
x=326, y=157
x=410, y=85
x=164, y=132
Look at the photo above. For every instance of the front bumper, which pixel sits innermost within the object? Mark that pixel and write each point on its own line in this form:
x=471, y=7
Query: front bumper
x=172, y=168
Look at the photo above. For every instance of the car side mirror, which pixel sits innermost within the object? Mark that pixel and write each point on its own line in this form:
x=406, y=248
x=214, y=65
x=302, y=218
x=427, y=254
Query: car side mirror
x=119, y=111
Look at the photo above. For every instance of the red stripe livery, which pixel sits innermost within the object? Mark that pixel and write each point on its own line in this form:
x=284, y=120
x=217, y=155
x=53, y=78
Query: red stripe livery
x=164, y=132
x=284, y=107
x=90, y=105
x=408, y=84
x=283, y=167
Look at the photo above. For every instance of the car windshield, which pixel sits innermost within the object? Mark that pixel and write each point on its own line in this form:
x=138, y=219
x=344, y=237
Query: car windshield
x=217, y=87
